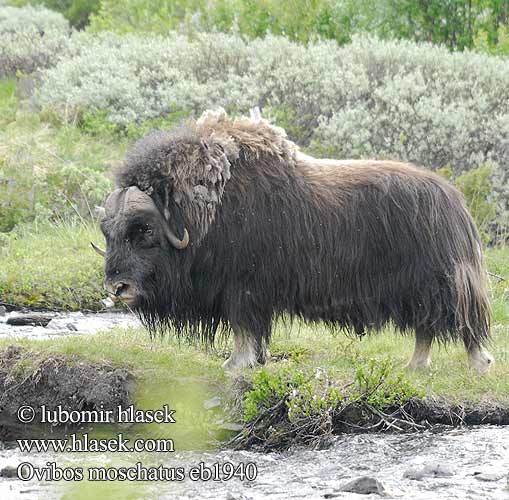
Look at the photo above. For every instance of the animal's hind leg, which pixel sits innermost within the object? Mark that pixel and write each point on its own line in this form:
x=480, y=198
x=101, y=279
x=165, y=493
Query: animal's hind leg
x=248, y=350
x=421, y=357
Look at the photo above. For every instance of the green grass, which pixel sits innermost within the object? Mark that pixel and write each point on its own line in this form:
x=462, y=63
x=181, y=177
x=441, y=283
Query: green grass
x=52, y=266
x=8, y=102
x=48, y=169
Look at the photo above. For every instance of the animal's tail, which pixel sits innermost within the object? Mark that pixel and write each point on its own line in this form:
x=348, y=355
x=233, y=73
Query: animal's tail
x=473, y=311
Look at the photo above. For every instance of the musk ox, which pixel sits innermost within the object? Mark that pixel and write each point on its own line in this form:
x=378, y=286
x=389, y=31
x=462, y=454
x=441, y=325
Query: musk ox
x=224, y=223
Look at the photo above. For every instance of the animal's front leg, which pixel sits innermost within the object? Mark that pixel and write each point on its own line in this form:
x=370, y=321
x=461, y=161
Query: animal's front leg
x=248, y=350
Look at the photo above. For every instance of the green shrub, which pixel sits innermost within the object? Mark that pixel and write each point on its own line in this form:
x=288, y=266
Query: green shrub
x=270, y=389
x=15, y=19
x=380, y=384
x=370, y=98
x=497, y=45
x=307, y=392
x=477, y=187
x=77, y=12
x=33, y=38
x=303, y=393
x=156, y=16
x=300, y=20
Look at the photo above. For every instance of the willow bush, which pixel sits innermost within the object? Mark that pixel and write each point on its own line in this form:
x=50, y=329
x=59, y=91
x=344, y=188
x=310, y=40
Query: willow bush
x=32, y=38
x=370, y=98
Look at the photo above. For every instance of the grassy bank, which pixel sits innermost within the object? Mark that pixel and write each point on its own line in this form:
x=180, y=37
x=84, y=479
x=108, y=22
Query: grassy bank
x=52, y=266
x=318, y=381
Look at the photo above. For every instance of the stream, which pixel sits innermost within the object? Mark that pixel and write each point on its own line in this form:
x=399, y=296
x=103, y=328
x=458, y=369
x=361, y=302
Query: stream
x=465, y=463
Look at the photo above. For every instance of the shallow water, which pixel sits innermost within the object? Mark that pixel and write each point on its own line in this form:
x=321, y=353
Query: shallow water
x=308, y=474
x=62, y=324
x=298, y=473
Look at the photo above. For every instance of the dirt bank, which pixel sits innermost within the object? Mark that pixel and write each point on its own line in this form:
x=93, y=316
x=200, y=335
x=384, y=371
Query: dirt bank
x=275, y=429
x=26, y=379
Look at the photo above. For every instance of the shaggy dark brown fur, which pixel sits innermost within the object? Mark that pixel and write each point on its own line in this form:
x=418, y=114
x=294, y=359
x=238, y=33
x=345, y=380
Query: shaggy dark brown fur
x=355, y=244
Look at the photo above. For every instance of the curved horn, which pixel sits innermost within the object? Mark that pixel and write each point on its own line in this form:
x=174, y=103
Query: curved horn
x=178, y=244
x=98, y=250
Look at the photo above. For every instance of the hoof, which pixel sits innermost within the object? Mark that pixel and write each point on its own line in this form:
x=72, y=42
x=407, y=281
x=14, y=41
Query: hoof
x=235, y=363
x=418, y=364
x=481, y=361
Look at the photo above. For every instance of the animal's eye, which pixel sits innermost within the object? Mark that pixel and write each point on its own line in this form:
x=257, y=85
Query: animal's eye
x=146, y=229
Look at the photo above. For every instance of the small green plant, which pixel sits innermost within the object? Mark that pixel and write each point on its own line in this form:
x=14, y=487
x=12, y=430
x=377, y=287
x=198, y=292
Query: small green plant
x=381, y=385
x=270, y=389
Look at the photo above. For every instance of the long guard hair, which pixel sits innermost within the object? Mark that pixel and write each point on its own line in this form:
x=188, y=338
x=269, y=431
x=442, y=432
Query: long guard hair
x=355, y=244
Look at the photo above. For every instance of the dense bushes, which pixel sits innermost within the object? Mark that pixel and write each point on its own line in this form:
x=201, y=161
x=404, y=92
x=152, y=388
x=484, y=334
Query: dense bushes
x=299, y=20
x=13, y=19
x=32, y=38
x=392, y=99
x=371, y=98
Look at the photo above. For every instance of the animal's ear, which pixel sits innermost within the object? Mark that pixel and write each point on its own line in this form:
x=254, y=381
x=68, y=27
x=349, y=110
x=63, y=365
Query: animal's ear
x=198, y=184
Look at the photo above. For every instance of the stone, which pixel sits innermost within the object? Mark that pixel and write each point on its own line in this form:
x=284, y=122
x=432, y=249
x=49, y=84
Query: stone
x=363, y=485
x=488, y=477
x=231, y=426
x=211, y=403
x=9, y=471
x=429, y=470
x=29, y=320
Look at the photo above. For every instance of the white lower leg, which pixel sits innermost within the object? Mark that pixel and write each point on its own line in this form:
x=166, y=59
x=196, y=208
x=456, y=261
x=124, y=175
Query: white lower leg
x=244, y=351
x=479, y=359
x=421, y=358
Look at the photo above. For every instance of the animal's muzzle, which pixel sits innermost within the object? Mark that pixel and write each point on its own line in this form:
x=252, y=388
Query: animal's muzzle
x=123, y=290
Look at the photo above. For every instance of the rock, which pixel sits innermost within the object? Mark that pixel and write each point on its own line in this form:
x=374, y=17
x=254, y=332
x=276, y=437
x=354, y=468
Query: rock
x=363, y=485
x=211, y=403
x=488, y=477
x=9, y=471
x=61, y=324
x=237, y=496
x=29, y=320
x=3, y=310
x=231, y=426
x=429, y=470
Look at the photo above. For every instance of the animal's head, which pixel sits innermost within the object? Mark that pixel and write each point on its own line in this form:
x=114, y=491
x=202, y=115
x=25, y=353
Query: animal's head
x=168, y=193
x=140, y=234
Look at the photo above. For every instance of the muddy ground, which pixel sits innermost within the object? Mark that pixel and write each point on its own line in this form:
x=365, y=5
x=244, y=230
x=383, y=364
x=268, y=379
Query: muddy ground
x=25, y=379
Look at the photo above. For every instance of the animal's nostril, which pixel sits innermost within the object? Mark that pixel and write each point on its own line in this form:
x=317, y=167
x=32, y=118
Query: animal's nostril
x=120, y=288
